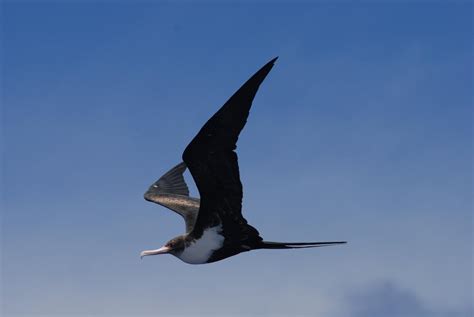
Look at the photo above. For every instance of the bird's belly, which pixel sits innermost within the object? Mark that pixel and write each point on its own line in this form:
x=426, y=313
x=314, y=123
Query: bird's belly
x=202, y=249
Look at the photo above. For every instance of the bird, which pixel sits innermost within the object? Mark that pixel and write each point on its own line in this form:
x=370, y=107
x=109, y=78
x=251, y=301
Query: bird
x=215, y=226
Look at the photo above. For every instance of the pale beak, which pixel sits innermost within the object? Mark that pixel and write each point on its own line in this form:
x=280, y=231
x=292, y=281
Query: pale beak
x=162, y=250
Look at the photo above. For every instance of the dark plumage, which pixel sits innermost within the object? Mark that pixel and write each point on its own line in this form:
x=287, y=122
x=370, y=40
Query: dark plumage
x=215, y=227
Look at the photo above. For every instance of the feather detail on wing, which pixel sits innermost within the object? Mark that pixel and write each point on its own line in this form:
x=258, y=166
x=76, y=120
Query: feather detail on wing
x=173, y=181
x=172, y=192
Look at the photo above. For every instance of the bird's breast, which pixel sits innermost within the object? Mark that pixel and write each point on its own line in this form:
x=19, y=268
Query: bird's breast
x=200, y=250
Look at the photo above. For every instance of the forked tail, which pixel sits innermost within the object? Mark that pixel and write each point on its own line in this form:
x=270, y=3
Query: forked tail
x=296, y=245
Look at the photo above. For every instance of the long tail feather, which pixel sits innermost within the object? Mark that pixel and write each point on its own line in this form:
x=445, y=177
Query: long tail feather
x=296, y=245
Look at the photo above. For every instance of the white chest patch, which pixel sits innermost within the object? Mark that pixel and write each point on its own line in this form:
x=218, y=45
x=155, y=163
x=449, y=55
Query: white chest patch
x=201, y=250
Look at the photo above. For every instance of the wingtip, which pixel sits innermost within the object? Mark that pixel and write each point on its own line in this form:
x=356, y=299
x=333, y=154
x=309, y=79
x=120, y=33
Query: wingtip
x=271, y=62
x=263, y=72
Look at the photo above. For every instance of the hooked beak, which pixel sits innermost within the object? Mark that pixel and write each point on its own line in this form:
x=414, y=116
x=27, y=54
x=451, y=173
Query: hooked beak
x=162, y=250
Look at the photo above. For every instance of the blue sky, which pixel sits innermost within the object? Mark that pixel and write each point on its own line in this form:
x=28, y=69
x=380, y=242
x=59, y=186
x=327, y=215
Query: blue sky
x=361, y=132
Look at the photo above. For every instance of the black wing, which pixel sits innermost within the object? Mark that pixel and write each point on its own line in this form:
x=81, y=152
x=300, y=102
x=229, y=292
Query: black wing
x=172, y=182
x=212, y=162
x=172, y=192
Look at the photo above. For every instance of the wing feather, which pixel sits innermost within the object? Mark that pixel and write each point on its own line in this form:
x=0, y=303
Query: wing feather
x=213, y=163
x=172, y=192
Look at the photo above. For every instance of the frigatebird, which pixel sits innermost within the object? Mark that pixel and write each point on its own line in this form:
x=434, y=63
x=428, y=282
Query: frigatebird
x=215, y=227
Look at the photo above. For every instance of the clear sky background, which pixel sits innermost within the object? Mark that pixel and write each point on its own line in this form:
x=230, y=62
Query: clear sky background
x=361, y=132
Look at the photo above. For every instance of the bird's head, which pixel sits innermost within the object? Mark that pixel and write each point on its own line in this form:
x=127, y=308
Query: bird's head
x=175, y=247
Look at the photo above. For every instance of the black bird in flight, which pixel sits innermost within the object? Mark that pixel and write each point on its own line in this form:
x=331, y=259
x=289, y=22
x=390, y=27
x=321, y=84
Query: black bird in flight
x=215, y=227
